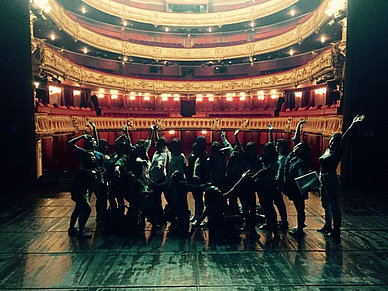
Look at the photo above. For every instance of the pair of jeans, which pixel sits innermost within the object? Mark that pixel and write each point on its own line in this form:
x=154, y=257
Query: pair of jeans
x=330, y=193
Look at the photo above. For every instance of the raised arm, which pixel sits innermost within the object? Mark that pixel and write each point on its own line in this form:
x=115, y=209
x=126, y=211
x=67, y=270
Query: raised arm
x=226, y=142
x=156, y=134
x=357, y=119
x=296, y=138
x=74, y=140
x=126, y=133
x=237, y=141
x=237, y=183
x=95, y=133
x=270, y=130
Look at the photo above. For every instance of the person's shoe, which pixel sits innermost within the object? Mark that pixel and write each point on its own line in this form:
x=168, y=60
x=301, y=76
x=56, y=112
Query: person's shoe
x=335, y=233
x=204, y=224
x=193, y=218
x=325, y=229
x=84, y=235
x=283, y=226
x=297, y=232
x=72, y=231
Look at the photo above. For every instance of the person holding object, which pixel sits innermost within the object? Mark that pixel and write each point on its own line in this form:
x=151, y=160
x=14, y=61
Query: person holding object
x=330, y=182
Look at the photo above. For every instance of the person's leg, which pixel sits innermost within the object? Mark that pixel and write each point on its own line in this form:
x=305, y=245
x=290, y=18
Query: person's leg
x=326, y=206
x=266, y=203
x=333, y=193
x=281, y=206
x=301, y=216
x=86, y=209
x=72, y=231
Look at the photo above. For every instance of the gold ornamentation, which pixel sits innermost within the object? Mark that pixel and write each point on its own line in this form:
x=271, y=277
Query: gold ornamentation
x=57, y=64
x=49, y=125
x=190, y=20
x=301, y=31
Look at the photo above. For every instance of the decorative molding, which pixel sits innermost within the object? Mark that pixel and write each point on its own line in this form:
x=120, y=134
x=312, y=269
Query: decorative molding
x=219, y=19
x=46, y=126
x=55, y=63
x=295, y=35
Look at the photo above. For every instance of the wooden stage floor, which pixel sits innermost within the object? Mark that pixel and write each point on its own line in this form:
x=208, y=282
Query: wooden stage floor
x=36, y=253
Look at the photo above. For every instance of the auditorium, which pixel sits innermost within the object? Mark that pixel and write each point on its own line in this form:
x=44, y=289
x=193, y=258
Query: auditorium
x=194, y=145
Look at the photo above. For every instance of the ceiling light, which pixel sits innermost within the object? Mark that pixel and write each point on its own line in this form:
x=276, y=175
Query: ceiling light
x=83, y=10
x=52, y=36
x=85, y=50
x=166, y=29
x=125, y=23
x=323, y=39
x=291, y=52
x=292, y=12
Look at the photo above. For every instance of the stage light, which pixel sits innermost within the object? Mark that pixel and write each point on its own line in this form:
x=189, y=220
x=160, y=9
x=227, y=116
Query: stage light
x=292, y=12
x=164, y=97
x=54, y=90
x=83, y=10
x=260, y=95
x=210, y=29
x=274, y=95
x=146, y=98
x=320, y=91
x=125, y=59
x=171, y=132
x=125, y=23
x=204, y=131
x=298, y=94
x=131, y=97
x=53, y=37
x=199, y=97
x=76, y=92
x=176, y=97
x=166, y=29
x=323, y=39
x=85, y=50
x=291, y=52
x=100, y=95
x=36, y=84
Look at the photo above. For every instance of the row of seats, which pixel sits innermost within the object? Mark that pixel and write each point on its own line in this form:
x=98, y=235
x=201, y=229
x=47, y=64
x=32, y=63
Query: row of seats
x=64, y=110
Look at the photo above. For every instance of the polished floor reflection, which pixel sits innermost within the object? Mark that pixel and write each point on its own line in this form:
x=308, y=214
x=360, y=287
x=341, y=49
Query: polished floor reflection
x=37, y=253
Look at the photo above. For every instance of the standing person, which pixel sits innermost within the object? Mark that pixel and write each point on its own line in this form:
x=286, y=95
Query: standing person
x=99, y=187
x=217, y=164
x=266, y=185
x=158, y=173
x=296, y=166
x=283, y=149
x=197, y=173
x=330, y=182
x=84, y=178
x=234, y=169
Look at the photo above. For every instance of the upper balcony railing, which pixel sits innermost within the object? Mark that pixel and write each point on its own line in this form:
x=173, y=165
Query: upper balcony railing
x=199, y=72
x=239, y=13
x=192, y=40
x=155, y=51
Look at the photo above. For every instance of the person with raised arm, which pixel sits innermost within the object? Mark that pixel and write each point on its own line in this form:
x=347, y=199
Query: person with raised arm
x=158, y=173
x=283, y=149
x=330, y=182
x=99, y=186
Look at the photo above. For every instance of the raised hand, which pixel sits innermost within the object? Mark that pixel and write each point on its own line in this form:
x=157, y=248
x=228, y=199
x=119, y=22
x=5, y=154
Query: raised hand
x=358, y=118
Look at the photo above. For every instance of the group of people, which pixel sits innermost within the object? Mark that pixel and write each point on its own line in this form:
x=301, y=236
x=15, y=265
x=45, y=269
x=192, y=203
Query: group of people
x=133, y=183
